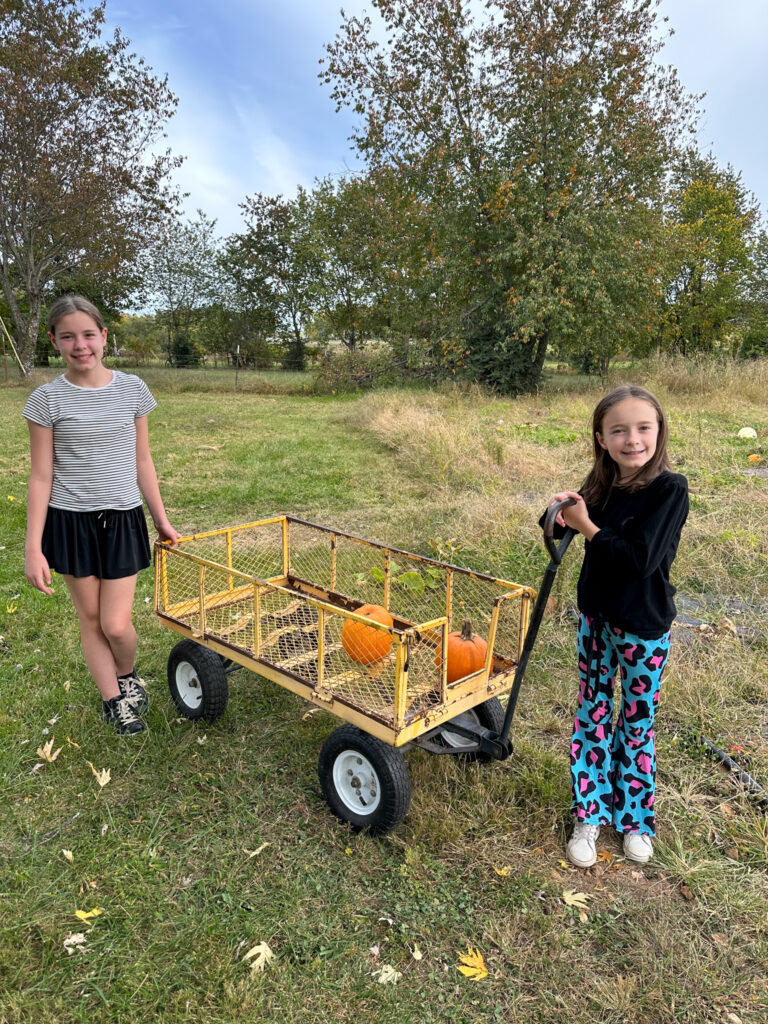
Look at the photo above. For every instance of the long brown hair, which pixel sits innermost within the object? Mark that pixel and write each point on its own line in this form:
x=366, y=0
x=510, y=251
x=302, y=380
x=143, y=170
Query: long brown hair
x=604, y=474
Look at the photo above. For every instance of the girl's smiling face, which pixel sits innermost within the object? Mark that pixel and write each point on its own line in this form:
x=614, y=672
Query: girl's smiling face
x=630, y=432
x=80, y=341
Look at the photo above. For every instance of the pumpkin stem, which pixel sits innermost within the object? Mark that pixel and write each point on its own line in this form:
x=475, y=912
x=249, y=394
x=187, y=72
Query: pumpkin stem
x=466, y=629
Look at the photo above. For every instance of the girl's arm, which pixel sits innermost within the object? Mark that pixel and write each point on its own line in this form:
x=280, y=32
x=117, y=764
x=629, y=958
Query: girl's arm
x=147, y=480
x=651, y=538
x=36, y=567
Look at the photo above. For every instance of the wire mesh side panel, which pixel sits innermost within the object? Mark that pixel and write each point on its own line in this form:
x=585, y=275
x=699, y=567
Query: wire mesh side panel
x=424, y=674
x=473, y=599
x=310, y=554
x=360, y=666
x=254, y=550
x=180, y=588
x=513, y=618
x=290, y=634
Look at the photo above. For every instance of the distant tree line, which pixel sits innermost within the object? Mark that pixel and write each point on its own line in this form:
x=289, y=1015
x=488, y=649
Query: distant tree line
x=531, y=190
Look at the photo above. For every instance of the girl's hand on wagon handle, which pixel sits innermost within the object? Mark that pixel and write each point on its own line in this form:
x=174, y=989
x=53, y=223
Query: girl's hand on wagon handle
x=575, y=516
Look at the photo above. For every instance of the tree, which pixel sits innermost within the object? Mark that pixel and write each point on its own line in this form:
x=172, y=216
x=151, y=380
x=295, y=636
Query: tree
x=537, y=138
x=138, y=337
x=182, y=275
x=79, y=186
x=343, y=231
x=280, y=263
x=711, y=222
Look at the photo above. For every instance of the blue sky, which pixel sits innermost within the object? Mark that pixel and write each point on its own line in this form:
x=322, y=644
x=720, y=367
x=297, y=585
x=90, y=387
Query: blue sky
x=253, y=116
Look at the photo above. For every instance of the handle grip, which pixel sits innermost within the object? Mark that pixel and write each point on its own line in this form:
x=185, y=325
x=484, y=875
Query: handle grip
x=556, y=553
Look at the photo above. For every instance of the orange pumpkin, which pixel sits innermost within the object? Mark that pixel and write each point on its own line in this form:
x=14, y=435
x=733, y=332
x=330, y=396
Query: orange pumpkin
x=365, y=644
x=466, y=653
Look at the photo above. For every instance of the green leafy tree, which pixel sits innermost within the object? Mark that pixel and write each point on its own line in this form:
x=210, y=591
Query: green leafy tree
x=182, y=278
x=138, y=337
x=755, y=339
x=344, y=236
x=712, y=238
x=537, y=138
x=279, y=262
x=79, y=185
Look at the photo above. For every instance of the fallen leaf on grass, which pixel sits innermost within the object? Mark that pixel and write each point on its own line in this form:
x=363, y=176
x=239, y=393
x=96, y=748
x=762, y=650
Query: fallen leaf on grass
x=201, y=739
x=754, y=457
x=260, y=955
x=416, y=953
x=576, y=899
x=388, y=975
x=308, y=714
x=75, y=941
x=374, y=950
x=733, y=1018
x=47, y=752
x=102, y=777
x=503, y=871
x=637, y=875
x=605, y=855
x=68, y=855
x=36, y=767
x=472, y=965
x=72, y=743
x=87, y=915
x=686, y=892
x=257, y=851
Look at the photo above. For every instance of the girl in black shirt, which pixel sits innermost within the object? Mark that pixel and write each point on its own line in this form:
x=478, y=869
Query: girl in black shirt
x=631, y=510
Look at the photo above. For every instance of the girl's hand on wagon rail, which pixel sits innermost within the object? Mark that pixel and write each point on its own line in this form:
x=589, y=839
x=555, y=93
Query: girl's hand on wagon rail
x=165, y=531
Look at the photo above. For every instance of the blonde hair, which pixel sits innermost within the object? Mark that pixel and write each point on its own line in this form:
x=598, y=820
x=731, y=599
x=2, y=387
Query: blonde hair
x=73, y=304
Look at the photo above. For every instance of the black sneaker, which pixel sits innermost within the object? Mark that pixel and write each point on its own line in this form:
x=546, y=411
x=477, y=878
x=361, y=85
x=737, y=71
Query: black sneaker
x=132, y=688
x=119, y=713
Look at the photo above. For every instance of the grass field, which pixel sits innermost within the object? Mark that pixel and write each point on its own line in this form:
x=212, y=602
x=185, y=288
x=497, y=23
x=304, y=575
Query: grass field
x=208, y=840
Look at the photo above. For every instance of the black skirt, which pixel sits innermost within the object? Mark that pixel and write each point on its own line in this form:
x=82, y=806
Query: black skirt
x=109, y=544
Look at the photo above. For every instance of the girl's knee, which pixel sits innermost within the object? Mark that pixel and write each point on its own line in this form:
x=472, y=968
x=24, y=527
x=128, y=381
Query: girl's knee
x=117, y=630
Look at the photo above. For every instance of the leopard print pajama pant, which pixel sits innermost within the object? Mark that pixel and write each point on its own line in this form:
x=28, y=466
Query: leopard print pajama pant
x=613, y=768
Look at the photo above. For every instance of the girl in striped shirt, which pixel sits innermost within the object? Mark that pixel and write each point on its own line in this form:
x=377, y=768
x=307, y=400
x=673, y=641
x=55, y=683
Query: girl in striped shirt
x=90, y=466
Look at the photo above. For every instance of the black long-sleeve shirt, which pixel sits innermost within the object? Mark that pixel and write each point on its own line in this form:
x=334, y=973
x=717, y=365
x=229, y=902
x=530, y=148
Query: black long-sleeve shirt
x=625, y=574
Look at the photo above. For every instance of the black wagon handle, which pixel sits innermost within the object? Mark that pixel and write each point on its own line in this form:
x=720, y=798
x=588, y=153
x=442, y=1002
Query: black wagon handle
x=556, y=553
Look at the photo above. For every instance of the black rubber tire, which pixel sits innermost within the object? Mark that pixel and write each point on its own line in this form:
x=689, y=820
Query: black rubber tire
x=391, y=775
x=191, y=666
x=490, y=715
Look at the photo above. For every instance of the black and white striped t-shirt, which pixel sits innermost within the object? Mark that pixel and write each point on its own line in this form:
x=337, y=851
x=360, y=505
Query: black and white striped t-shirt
x=94, y=440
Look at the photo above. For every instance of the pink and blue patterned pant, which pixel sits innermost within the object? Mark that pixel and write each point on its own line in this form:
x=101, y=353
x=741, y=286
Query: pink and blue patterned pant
x=613, y=768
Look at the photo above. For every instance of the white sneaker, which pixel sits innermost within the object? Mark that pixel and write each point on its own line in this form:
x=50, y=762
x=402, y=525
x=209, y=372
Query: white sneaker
x=638, y=848
x=582, y=846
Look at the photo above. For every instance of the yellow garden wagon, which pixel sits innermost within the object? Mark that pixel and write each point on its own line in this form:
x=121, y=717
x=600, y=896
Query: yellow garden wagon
x=281, y=596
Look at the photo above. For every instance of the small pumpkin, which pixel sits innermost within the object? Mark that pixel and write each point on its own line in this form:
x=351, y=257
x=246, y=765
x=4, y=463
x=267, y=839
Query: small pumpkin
x=466, y=653
x=365, y=644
